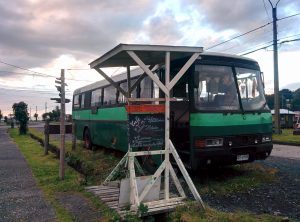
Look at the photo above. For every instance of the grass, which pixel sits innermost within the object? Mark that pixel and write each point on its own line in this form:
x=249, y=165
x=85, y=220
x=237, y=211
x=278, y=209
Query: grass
x=45, y=170
x=194, y=213
x=94, y=165
x=220, y=182
x=286, y=136
x=231, y=179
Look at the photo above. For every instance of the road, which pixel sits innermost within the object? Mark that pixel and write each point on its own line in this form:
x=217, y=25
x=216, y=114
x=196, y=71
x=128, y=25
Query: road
x=285, y=151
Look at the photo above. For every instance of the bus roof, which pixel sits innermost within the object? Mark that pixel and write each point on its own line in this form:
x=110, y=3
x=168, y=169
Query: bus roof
x=138, y=71
x=225, y=55
x=117, y=78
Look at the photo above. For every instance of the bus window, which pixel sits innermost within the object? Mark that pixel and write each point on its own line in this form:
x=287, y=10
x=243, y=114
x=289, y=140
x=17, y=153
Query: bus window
x=215, y=88
x=82, y=101
x=96, y=97
x=146, y=88
x=76, y=104
x=123, y=85
x=251, y=89
x=109, y=97
x=87, y=100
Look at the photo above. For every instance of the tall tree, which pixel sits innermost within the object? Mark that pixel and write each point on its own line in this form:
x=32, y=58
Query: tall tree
x=1, y=115
x=270, y=101
x=21, y=115
x=286, y=97
x=36, y=116
x=296, y=100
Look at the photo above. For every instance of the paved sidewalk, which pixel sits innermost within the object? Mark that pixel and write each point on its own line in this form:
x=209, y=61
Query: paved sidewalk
x=20, y=198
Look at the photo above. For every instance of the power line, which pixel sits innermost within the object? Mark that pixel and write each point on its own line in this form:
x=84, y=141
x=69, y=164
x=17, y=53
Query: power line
x=286, y=41
x=266, y=9
x=238, y=36
x=250, y=31
x=18, y=67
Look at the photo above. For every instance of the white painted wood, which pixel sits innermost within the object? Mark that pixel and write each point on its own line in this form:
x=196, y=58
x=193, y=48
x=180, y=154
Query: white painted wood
x=182, y=71
x=148, y=71
x=145, y=153
x=177, y=182
x=167, y=126
x=142, y=77
x=134, y=196
x=111, y=81
x=111, y=175
x=185, y=174
x=154, y=178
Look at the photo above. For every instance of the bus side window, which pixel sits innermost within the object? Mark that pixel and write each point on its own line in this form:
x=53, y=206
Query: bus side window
x=76, y=104
x=110, y=95
x=87, y=100
x=82, y=101
x=146, y=88
x=96, y=99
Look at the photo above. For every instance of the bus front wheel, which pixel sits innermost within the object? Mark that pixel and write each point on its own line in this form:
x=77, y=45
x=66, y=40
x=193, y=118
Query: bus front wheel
x=87, y=139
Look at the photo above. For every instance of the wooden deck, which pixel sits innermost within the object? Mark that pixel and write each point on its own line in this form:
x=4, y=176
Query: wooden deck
x=109, y=195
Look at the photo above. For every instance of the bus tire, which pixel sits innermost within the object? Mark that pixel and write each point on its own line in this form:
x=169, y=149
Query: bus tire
x=87, y=141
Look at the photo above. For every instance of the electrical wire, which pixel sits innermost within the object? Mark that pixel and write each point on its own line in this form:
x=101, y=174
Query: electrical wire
x=250, y=31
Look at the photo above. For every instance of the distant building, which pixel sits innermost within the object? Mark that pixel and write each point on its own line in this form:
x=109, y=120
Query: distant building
x=287, y=118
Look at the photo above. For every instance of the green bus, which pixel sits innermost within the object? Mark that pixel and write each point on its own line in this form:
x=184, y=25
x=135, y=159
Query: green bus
x=220, y=115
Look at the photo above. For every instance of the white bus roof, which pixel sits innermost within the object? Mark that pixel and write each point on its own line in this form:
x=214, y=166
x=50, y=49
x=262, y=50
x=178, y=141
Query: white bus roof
x=138, y=71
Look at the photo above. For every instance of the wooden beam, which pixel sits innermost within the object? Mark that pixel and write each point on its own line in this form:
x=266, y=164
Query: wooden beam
x=148, y=71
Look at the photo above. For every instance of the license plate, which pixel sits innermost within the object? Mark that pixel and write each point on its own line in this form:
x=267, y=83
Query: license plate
x=242, y=157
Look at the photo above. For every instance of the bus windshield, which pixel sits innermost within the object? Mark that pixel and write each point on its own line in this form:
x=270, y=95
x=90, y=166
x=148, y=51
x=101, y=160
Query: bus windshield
x=215, y=88
x=251, y=89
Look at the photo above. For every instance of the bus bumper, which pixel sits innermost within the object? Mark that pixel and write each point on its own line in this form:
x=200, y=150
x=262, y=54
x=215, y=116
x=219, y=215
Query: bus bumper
x=228, y=156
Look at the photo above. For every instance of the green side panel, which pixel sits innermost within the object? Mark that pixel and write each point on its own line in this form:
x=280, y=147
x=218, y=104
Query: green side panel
x=111, y=114
x=218, y=124
x=105, y=125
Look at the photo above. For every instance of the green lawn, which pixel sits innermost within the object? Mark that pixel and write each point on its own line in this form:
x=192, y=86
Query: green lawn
x=286, y=136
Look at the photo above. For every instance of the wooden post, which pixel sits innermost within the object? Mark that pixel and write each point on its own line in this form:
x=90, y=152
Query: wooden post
x=62, y=128
x=46, y=141
x=73, y=136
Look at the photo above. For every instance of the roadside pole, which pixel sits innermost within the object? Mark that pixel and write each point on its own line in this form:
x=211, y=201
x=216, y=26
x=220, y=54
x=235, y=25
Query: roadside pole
x=62, y=128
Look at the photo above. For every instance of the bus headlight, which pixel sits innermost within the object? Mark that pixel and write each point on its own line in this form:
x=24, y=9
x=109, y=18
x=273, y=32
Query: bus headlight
x=214, y=142
x=266, y=138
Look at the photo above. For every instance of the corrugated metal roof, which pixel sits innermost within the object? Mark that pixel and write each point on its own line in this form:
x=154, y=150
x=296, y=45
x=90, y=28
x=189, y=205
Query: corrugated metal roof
x=285, y=111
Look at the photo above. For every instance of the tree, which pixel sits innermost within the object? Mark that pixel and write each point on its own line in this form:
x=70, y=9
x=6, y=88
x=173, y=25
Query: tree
x=270, y=101
x=296, y=100
x=1, y=115
x=21, y=115
x=36, y=116
x=53, y=115
x=286, y=97
x=5, y=119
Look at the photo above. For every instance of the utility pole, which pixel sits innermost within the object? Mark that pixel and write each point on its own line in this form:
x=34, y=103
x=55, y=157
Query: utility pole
x=62, y=125
x=45, y=107
x=276, y=78
x=30, y=113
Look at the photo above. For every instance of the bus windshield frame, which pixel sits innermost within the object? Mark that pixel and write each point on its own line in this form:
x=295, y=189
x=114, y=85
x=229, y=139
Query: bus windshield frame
x=223, y=88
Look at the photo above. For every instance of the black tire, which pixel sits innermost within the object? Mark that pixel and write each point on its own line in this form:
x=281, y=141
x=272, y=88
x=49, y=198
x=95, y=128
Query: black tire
x=87, y=141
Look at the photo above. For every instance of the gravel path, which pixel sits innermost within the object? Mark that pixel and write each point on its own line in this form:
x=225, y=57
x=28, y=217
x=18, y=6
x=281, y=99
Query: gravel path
x=279, y=198
x=20, y=198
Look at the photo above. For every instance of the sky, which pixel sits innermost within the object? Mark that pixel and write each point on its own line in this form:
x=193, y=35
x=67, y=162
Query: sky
x=39, y=38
